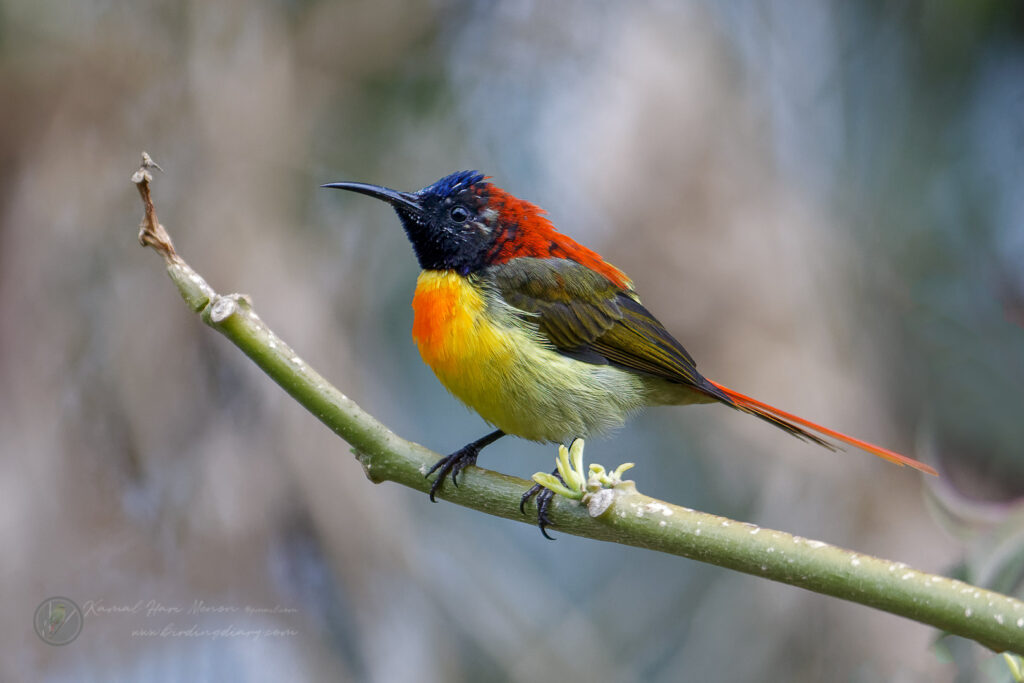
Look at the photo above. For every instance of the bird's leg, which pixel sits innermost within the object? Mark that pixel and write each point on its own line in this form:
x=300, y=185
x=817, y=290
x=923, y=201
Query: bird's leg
x=459, y=460
x=544, y=496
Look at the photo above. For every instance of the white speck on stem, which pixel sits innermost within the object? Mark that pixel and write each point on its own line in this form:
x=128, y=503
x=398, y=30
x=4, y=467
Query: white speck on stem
x=662, y=523
x=753, y=532
x=907, y=576
x=816, y=544
x=697, y=532
x=968, y=612
x=999, y=618
x=599, y=502
x=1020, y=623
x=658, y=507
x=855, y=561
x=725, y=522
x=222, y=309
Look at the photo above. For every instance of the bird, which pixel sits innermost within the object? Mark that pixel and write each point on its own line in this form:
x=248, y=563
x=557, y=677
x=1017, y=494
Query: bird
x=56, y=618
x=540, y=335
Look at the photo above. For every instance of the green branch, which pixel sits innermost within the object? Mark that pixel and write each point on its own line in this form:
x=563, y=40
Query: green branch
x=619, y=514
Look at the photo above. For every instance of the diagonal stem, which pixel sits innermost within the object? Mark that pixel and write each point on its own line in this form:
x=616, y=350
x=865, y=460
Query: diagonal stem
x=993, y=620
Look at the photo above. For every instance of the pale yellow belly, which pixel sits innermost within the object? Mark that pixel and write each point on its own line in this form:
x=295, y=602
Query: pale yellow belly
x=497, y=365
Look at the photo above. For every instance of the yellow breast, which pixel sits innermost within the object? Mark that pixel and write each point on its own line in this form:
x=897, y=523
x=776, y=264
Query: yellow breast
x=468, y=353
x=497, y=363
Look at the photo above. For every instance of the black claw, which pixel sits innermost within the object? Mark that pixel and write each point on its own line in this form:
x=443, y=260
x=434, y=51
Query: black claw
x=530, y=493
x=544, y=497
x=543, y=502
x=451, y=465
x=437, y=464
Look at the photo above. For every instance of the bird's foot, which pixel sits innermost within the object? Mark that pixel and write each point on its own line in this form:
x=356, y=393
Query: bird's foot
x=451, y=465
x=458, y=461
x=544, y=496
x=571, y=481
x=567, y=479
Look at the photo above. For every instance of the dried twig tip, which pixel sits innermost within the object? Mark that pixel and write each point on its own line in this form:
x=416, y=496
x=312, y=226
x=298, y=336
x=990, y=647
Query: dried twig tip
x=151, y=233
x=147, y=162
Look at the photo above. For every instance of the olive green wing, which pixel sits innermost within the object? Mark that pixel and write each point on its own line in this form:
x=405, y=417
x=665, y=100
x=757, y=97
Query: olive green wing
x=586, y=316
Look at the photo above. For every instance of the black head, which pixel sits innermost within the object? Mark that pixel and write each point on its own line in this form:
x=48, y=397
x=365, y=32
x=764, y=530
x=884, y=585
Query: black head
x=448, y=223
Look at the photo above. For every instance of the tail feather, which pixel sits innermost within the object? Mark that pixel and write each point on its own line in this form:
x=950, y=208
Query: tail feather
x=795, y=425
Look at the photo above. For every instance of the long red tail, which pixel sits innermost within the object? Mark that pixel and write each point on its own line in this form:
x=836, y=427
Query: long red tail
x=789, y=422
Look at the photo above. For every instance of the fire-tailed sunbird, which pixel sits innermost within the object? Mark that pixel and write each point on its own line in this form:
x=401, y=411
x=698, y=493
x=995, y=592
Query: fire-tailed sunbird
x=537, y=333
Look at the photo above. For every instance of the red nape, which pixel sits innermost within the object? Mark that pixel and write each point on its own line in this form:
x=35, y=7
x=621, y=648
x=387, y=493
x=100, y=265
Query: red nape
x=885, y=453
x=529, y=233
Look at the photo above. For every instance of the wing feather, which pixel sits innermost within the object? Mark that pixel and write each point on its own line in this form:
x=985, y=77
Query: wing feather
x=588, y=317
x=585, y=315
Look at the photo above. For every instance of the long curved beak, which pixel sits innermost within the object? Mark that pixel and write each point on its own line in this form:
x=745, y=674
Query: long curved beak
x=399, y=200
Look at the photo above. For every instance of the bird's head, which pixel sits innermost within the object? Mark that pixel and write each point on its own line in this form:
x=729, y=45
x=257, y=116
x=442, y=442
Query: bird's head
x=464, y=223
x=450, y=223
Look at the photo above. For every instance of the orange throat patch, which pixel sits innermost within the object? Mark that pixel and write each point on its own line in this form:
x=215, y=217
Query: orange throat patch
x=449, y=325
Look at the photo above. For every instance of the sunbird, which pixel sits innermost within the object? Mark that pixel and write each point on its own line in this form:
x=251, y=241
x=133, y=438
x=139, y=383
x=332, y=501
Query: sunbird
x=540, y=335
x=56, y=618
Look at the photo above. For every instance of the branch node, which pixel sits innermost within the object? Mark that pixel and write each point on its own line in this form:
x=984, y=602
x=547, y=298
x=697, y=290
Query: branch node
x=223, y=308
x=599, y=502
x=366, y=461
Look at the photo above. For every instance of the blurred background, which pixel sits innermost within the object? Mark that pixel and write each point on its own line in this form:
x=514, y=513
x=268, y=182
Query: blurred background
x=822, y=200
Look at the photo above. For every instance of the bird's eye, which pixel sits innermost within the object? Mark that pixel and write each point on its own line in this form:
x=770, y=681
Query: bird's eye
x=459, y=214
